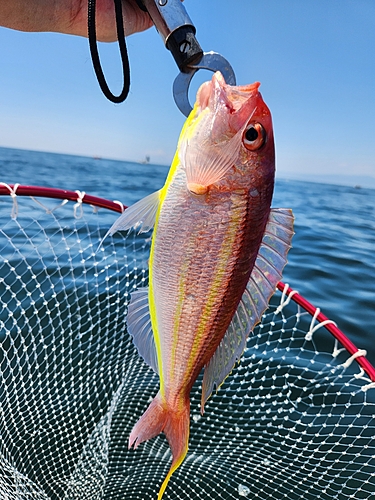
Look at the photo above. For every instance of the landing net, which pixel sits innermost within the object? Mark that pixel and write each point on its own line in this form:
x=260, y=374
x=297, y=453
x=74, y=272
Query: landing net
x=294, y=420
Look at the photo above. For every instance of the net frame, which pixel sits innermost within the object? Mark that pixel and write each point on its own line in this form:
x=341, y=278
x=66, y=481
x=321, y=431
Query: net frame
x=158, y=449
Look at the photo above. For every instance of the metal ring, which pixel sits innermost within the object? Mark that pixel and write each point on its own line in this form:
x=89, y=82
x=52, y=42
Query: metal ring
x=211, y=61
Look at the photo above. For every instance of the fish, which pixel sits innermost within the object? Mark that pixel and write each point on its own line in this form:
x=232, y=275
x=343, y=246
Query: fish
x=217, y=253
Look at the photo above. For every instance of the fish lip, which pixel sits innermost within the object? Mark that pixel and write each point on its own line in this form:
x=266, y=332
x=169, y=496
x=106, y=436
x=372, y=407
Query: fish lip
x=203, y=95
x=212, y=91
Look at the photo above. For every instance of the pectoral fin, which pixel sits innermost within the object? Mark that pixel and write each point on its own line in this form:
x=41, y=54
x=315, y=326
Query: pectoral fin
x=206, y=163
x=264, y=277
x=139, y=326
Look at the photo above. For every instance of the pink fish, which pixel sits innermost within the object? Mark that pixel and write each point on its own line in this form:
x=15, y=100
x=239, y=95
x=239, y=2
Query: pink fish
x=217, y=253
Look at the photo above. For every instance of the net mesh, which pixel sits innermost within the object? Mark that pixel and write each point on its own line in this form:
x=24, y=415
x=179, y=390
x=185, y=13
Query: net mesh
x=295, y=419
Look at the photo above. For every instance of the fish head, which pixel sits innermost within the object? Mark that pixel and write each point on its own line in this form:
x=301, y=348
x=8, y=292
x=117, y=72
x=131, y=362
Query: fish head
x=228, y=137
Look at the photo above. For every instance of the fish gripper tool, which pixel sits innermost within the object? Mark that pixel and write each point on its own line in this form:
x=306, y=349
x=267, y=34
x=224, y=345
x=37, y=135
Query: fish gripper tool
x=178, y=33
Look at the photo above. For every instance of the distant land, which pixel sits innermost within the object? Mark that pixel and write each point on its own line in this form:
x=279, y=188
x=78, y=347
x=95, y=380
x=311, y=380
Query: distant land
x=360, y=181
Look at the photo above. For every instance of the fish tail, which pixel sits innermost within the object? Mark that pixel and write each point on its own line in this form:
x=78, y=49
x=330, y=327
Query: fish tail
x=174, y=422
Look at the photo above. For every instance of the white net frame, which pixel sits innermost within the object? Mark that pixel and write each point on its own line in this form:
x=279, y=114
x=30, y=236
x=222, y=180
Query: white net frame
x=294, y=420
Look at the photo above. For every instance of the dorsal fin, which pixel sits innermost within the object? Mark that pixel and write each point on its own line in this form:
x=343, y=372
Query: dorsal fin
x=139, y=326
x=267, y=272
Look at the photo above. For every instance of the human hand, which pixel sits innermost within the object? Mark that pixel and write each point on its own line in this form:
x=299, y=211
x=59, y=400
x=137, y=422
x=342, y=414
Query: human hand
x=70, y=17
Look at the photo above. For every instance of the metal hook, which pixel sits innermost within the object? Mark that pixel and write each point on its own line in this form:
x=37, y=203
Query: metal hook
x=211, y=61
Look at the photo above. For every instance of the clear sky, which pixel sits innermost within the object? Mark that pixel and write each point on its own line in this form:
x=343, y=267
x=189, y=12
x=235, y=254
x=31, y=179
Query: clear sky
x=314, y=58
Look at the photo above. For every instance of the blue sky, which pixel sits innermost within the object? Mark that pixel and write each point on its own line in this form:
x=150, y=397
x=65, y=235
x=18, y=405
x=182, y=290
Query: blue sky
x=314, y=58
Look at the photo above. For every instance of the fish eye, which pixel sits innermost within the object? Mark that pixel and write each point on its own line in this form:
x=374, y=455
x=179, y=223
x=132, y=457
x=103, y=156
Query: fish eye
x=254, y=136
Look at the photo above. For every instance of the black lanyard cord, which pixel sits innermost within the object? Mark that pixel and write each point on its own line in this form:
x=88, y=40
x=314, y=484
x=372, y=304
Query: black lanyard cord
x=122, y=47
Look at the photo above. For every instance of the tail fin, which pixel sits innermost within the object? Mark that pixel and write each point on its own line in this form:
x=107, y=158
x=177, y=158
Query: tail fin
x=174, y=422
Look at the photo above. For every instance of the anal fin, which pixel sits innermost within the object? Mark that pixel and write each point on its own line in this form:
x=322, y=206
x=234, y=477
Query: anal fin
x=267, y=272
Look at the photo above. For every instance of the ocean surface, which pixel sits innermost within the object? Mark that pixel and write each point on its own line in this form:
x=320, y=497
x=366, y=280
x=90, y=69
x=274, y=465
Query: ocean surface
x=332, y=262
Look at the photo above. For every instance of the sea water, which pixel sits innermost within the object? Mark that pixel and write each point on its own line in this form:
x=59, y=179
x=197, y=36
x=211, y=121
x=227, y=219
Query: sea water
x=332, y=262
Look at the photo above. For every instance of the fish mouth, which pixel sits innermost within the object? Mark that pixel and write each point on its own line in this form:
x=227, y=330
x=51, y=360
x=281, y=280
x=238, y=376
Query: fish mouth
x=217, y=92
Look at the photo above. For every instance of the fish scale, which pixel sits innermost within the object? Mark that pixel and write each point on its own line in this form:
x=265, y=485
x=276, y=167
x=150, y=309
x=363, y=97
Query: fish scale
x=200, y=280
